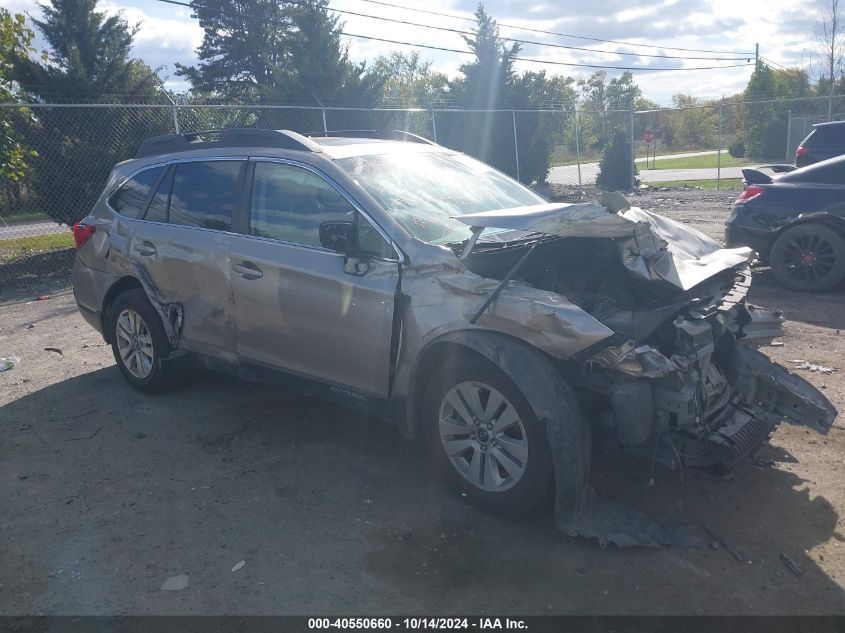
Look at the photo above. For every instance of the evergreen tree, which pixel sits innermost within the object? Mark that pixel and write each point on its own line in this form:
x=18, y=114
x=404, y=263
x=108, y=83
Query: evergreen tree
x=272, y=52
x=489, y=83
x=75, y=148
x=90, y=56
x=245, y=51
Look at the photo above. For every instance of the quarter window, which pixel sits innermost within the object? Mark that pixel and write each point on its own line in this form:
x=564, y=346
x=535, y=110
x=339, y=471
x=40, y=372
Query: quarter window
x=203, y=194
x=130, y=199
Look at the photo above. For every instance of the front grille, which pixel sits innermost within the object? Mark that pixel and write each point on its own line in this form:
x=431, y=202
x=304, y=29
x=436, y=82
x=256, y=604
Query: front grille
x=736, y=440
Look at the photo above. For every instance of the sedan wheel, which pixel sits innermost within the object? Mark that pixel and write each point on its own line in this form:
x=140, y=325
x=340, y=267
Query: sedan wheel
x=483, y=436
x=808, y=257
x=134, y=343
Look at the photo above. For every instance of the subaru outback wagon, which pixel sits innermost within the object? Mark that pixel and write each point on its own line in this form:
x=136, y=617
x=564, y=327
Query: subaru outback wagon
x=421, y=285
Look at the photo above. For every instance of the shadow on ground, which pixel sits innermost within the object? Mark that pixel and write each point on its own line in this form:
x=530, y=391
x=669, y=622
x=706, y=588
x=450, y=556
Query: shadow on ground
x=107, y=493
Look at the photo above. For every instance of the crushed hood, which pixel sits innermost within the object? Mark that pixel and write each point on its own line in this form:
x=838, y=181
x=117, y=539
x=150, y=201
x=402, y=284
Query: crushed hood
x=651, y=246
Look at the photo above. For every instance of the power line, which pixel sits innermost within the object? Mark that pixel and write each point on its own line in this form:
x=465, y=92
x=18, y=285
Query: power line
x=538, y=61
x=521, y=41
x=462, y=52
x=579, y=37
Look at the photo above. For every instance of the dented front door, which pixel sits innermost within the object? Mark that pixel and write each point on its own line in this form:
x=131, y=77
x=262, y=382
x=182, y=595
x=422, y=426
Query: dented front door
x=298, y=305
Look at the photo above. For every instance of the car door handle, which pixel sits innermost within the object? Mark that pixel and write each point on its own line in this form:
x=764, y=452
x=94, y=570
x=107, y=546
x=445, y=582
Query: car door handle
x=248, y=270
x=145, y=248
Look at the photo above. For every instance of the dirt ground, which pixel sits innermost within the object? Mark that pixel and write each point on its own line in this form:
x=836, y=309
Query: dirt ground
x=106, y=493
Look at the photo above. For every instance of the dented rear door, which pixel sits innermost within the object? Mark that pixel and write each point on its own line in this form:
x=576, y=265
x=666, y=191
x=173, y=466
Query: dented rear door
x=181, y=250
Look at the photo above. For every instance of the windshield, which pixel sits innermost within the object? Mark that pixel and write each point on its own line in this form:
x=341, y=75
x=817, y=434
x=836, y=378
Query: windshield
x=423, y=191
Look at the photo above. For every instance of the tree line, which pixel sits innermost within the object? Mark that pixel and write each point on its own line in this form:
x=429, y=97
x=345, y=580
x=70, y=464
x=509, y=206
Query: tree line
x=270, y=52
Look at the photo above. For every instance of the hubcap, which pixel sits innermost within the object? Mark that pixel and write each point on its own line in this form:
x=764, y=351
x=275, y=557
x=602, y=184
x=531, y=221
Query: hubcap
x=483, y=436
x=134, y=343
x=809, y=258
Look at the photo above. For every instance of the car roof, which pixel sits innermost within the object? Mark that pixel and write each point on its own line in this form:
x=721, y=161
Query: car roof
x=829, y=124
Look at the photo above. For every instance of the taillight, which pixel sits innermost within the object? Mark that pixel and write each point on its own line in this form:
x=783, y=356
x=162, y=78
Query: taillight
x=82, y=233
x=801, y=151
x=749, y=193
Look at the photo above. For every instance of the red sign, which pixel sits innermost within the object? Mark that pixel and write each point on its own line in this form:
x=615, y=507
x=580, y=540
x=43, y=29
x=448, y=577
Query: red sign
x=648, y=137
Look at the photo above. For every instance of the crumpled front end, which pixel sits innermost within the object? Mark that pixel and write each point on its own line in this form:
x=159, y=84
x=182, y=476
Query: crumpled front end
x=694, y=395
x=674, y=379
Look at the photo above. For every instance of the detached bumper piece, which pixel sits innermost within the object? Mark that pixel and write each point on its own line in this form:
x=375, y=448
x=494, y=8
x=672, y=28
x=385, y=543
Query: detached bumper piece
x=770, y=394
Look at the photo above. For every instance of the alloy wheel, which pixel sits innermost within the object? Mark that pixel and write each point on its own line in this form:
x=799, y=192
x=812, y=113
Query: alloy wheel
x=809, y=258
x=483, y=436
x=134, y=343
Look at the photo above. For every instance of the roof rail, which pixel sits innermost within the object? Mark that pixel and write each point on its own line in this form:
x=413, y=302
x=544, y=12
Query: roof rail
x=232, y=137
x=387, y=135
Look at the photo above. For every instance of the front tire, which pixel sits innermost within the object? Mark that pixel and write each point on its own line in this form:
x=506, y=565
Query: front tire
x=139, y=342
x=808, y=258
x=484, y=438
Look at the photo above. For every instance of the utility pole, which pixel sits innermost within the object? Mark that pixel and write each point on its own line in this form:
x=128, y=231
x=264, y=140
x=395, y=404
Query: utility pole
x=756, y=55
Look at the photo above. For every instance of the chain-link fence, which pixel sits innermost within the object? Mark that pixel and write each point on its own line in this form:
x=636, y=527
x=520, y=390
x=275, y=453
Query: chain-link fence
x=55, y=158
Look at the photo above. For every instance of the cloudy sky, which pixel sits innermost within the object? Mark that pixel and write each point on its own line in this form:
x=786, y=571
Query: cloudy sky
x=783, y=28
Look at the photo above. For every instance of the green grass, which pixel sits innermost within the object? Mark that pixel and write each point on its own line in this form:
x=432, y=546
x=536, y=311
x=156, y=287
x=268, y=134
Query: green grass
x=707, y=161
x=725, y=183
x=24, y=217
x=18, y=247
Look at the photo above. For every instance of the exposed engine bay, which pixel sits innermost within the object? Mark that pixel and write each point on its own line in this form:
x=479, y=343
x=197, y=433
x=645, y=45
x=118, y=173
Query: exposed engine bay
x=673, y=383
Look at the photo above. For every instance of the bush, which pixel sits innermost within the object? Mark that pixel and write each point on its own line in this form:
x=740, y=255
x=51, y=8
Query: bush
x=737, y=147
x=615, y=166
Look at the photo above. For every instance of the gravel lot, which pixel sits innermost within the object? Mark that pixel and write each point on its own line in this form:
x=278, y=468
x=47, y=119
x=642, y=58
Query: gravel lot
x=107, y=493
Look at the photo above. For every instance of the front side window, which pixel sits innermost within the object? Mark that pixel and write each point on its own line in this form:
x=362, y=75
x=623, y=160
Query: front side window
x=203, y=194
x=424, y=191
x=130, y=199
x=290, y=203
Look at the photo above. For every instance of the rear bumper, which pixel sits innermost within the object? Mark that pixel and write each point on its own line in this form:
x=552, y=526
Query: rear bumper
x=759, y=240
x=89, y=290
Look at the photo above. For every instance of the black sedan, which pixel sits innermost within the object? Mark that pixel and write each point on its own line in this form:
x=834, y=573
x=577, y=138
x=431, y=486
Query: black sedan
x=796, y=222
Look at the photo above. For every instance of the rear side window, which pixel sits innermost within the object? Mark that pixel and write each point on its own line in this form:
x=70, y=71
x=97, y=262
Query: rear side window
x=832, y=136
x=130, y=199
x=157, y=211
x=203, y=194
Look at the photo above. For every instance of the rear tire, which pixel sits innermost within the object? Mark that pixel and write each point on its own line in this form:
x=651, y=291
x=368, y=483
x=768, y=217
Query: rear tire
x=490, y=447
x=808, y=258
x=139, y=342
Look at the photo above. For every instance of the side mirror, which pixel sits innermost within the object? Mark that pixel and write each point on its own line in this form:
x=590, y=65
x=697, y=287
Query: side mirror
x=336, y=235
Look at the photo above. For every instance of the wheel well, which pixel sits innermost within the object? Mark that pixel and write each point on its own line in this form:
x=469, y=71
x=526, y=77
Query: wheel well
x=121, y=285
x=432, y=358
x=830, y=221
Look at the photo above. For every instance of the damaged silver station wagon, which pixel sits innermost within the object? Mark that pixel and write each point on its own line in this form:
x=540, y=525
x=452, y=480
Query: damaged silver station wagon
x=414, y=282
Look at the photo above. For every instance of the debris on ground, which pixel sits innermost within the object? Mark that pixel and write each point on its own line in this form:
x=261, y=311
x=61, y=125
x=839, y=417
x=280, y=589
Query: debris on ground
x=804, y=364
x=176, y=583
x=42, y=297
x=721, y=541
x=9, y=362
x=239, y=565
x=611, y=522
x=791, y=565
x=54, y=349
